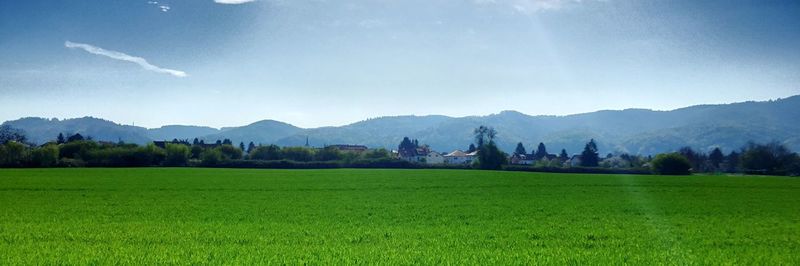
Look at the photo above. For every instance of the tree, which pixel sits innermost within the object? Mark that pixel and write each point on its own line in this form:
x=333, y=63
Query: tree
x=407, y=147
x=471, y=148
x=377, y=154
x=541, y=151
x=267, y=153
x=671, y=164
x=60, y=139
x=563, y=156
x=589, y=156
x=520, y=150
x=697, y=159
x=250, y=147
x=227, y=142
x=770, y=158
x=13, y=154
x=211, y=157
x=329, y=153
x=732, y=162
x=484, y=134
x=9, y=134
x=489, y=156
x=241, y=146
x=177, y=155
x=230, y=152
x=716, y=158
x=196, y=141
x=45, y=156
x=76, y=137
x=299, y=154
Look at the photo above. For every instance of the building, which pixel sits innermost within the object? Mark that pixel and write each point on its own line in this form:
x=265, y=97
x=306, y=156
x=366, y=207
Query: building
x=522, y=159
x=575, y=161
x=460, y=157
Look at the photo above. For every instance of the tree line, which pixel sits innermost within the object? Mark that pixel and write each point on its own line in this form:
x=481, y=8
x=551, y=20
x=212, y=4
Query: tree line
x=77, y=151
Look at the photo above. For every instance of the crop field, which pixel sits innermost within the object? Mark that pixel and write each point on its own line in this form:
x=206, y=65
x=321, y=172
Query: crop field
x=352, y=216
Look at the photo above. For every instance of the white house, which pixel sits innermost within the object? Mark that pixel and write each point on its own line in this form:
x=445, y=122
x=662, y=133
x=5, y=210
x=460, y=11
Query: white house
x=434, y=158
x=460, y=157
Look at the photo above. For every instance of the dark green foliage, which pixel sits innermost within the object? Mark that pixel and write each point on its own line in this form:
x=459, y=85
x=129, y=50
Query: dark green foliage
x=211, y=157
x=77, y=149
x=8, y=133
x=771, y=158
x=300, y=154
x=471, y=148
x=60, y=139
x=589, y=156
x=490, y=157
x=266, y=153
x=76, y=137
x=177, y=155
x=671, y=164
x=716, y=158
x=230, y=153
x=13, y=154
x=328, y=154
x=563, y=155
x=250, y=147
x=520, y=149
x=541, y=151
x=377, y=154
x=196, y=151
x=46, y=156
x=484, y=134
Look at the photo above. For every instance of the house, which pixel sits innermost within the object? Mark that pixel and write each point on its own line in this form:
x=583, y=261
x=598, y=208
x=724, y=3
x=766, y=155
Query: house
x=575, y=161
x=434, y=158
x=350, y=148
x=523, y=159
x=460, y=157
x=421, y=154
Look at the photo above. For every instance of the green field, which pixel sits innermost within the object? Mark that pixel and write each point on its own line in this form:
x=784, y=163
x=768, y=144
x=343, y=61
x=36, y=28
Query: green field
x=190, y=216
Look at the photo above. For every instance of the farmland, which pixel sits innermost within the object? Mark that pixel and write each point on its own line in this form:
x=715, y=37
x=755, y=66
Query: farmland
x=189, y=216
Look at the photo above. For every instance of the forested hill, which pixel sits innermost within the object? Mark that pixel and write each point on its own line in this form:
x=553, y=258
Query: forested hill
x=728, y=126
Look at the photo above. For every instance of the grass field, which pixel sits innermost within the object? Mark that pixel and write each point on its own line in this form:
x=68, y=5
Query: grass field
x=190, y=216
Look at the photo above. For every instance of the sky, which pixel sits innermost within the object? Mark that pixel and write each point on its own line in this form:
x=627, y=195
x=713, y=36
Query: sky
x=328, y=63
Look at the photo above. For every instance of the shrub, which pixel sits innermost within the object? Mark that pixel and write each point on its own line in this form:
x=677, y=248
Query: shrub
x=211, y=157
x=46, y=156
x=299, y=154
x=176, y=155
x=671, y=164
x=267, y=153
x=229, y=152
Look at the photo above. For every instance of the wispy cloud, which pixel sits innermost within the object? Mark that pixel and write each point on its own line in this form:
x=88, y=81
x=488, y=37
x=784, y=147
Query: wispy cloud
x=162, y=6
x=124, y=57
x=233, y=2
x=533, y=6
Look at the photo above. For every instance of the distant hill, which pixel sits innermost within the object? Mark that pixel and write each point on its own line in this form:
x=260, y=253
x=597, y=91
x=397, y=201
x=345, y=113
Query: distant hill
x=41, y=130
x=180, y=132
x=641, y=131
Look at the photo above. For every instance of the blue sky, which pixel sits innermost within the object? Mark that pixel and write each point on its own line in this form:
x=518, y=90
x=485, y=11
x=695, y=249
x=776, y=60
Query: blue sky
x=321, y=63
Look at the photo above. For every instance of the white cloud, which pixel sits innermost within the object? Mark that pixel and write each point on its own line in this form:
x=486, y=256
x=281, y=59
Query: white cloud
x=163, y=7
x=124, y=57
x=233, y=2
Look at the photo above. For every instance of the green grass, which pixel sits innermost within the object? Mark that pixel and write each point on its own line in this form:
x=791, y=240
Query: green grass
x=190, y=216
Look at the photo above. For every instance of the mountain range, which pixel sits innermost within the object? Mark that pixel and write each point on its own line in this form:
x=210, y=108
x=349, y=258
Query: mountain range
x=637, y=131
